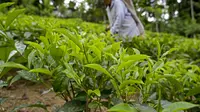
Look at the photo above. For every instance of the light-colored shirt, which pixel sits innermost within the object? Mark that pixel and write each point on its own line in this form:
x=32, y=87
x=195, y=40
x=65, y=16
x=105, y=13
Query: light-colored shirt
x=121, y=20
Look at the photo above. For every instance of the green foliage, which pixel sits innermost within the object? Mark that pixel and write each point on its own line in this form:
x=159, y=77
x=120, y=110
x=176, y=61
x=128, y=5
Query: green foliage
x=99, y=68
x=89, y=70
x=41, y=70
x=96, y=92
x=15, y=79
x=175, y=107
x=122, y=108
x=4, y=5
x=12, y=15
x=72, y=106
x=28, y=76
x=13, y=65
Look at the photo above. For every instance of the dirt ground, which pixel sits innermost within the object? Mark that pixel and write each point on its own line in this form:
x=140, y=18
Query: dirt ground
x=29, y=93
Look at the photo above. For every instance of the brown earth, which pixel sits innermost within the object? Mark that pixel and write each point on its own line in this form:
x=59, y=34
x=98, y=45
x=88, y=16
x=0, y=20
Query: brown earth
x=28, y=93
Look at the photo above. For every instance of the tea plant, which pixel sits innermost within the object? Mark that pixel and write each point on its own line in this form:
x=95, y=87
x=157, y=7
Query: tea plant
x=91, y=71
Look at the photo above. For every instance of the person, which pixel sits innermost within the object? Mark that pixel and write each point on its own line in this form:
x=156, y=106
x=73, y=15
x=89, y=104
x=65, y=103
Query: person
x=123, y=19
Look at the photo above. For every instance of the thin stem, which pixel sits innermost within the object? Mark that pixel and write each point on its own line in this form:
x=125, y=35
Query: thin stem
x=100, y=109
x=95, y=110
x=120, y=93
x=73, y=94
x=86, y=105
x=69, y=95
x=85, y=53
x=126, y=98
x=64, y=97
x=159, y=99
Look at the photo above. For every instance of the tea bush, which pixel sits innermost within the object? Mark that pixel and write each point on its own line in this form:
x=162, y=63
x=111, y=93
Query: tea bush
x=92, y=71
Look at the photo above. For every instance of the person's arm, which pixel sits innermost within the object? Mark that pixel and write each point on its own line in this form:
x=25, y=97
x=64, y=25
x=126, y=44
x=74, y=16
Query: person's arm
x=119, y=8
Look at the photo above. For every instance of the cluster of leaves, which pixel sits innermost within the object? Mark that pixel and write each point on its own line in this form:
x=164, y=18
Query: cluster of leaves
x=183, y=48
x=92, y=71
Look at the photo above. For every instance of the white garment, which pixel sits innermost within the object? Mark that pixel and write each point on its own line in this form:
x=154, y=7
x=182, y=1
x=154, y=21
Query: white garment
x=121, y=21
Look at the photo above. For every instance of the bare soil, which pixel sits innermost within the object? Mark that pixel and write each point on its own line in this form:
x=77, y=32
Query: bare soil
x=29, y=93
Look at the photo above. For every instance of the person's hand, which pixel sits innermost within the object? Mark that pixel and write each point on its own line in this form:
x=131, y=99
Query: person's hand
x=107, y=28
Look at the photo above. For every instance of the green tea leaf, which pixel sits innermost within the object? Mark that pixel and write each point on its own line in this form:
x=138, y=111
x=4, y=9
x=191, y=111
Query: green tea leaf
x=70, y=73
x=99, y=68
x=81, y=96
x=168, y=52
x=14, y=79
x=31, y=57
x=69, y=35
x=4, y=34
x=56, y=53
x=9, y=78
x=136, y=51
x=113, y=48
x=158, y=65
x=4, y=71
x=12, y=16
x=178, y=106
x=125, y=64
x=116, y=46
x=175, y=83
x=96, y=92
x=4, y=5
x=122, y=108
x=72, y=106
x=28, y=76
x=20, y=47
x=136, y=57
x=35, y=45
x=128, y=82
x=96, y=51
x=5, y=52
x=45, y=41
x=93, y=105
x=112, y=56
x=158, y=49
x=13, y=65
x=41, y=70
x=194, y=91
x=12, y=53
x=89, y=92
x=60, y=82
